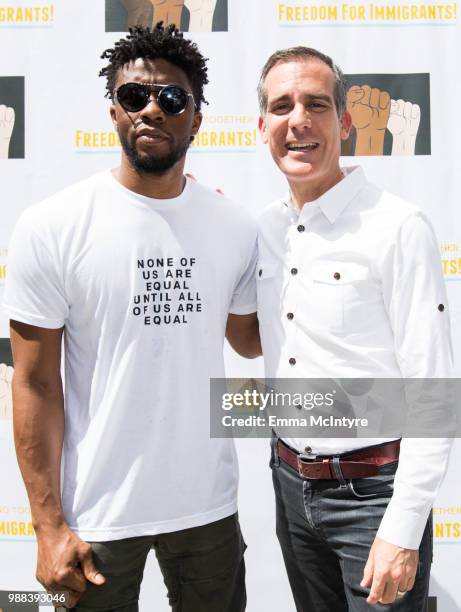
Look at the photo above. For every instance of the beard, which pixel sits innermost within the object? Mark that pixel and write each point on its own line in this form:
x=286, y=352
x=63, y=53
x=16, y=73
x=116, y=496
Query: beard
x=150, y=164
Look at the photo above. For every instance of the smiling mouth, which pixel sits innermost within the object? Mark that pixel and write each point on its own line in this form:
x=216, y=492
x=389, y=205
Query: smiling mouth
x=151, y=137
x=307, y=146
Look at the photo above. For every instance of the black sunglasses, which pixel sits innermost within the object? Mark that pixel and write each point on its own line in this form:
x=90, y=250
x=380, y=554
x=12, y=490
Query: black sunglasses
x=172, y=99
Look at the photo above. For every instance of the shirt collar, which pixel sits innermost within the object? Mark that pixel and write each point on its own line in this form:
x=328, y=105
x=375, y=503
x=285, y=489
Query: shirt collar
x=334, y=201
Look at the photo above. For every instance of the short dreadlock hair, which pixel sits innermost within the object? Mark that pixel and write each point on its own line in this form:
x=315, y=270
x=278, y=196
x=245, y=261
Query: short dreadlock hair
x=158, y=43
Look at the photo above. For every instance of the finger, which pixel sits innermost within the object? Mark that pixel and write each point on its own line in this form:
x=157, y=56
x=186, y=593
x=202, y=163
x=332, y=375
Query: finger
x=9, y=114
x=415, y=111
x=407, y=110
x=68, y=579
x=384, y=100
x=366, y=94
x=401, y=104
x=90, y=571
x=73, y=598
x=374, y=97
x=409, y=582
x=377, y=589
x=354, y=94
x=2, y=112
x=367, y=574
x=389, y=594
x=394, y=107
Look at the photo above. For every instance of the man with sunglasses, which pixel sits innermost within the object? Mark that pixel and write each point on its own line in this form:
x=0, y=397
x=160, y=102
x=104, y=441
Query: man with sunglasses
x=142, y=272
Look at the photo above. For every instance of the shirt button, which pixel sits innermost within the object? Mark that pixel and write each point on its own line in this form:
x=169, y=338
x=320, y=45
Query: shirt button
x=292, y=361
x=336, y=275
x=290, y=316
x=301, y=228
x=260, y=273
x=308, y=449
x=441, y=307
x=294, y=271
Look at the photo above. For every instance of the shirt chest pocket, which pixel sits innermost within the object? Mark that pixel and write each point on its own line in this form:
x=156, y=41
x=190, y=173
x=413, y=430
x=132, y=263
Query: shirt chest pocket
x=340, y=297
x=268, y=288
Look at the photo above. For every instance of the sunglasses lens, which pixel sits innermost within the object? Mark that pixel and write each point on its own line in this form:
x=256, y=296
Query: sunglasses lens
x=133, y=96
x=173, y=100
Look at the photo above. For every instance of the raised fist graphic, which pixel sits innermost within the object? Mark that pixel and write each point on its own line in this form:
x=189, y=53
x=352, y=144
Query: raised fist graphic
x=369, y=108
x=403, y=124
x=168, y=11
x=7, y=117
x=201, y=15
x=139, y=12
x=6, y=398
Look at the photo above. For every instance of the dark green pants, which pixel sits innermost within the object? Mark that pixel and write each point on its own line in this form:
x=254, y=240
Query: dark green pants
x=203, y=570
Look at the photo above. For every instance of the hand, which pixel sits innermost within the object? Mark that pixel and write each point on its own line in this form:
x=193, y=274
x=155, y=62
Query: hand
x=138, y=12
x=389, y=569
x=369, y=109
x=201, y=15
x=7, y=117
x=65, y=563
x=168, y=11
x=6, y=399
x=403, y=124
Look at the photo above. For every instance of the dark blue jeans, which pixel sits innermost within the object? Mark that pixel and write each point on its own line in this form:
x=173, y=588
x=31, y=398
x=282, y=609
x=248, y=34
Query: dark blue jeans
x=326, y=532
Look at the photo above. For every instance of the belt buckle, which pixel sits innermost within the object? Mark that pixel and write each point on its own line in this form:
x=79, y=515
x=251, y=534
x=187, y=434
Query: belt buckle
x=300, y=458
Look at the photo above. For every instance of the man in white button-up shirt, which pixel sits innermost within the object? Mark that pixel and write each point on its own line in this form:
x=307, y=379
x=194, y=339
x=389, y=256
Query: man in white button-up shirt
x=349, y=286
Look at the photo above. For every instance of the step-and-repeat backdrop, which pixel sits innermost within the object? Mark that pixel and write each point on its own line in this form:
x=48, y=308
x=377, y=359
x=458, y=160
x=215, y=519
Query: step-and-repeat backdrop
x=55, y=129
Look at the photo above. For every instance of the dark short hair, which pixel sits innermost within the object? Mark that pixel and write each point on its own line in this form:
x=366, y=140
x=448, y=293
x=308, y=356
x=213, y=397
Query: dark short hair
x=298, y=54
x=157, y=43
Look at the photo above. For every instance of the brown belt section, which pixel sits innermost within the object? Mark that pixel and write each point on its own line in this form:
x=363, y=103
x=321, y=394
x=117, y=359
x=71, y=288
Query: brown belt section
x=356, y=464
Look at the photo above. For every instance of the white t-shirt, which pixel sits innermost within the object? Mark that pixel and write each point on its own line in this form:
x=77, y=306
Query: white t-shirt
x=143, y=288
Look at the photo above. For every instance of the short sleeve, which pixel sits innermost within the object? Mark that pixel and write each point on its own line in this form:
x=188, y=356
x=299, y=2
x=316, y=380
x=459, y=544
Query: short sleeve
x=34, y=292
x=244, y=297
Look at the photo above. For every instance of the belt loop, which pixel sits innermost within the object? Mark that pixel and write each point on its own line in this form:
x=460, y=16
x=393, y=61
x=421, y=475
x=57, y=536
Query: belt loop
x=338, y=473
x=275, y=453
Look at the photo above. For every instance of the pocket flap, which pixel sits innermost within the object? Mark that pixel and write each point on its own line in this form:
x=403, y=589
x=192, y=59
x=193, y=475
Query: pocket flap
x=338, y=272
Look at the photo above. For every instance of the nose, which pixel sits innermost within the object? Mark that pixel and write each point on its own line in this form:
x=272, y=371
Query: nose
x=152, y=111
x=299, y=117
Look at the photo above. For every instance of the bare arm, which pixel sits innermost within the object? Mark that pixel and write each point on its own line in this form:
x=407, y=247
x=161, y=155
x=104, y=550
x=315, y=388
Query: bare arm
x=64, y=561
x=242, y=331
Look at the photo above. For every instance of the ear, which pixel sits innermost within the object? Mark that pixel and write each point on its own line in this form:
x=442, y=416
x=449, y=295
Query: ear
x=196, y=122
x=346, y=125
x=113, y=115
x=262, y=130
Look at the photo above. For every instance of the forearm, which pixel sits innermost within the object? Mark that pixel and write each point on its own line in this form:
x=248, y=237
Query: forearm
x=243, y=336
x=4, y=147
x=369, y=142
x=38, y=419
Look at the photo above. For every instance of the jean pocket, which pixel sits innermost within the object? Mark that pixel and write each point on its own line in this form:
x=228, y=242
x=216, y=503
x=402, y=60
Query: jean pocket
x=381, y=485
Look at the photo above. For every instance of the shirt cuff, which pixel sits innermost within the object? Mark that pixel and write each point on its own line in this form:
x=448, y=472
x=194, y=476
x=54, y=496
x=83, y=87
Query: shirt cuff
x=402, y=527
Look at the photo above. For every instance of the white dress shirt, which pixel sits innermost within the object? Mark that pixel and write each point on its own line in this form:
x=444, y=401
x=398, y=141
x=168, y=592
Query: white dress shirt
x=351, y=286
